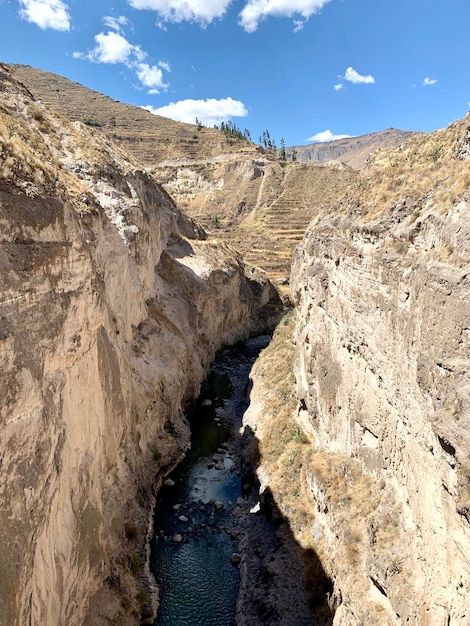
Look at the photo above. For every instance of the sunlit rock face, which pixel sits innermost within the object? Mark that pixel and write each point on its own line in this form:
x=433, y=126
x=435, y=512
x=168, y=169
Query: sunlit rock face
x=382, y=370
x=112, y=306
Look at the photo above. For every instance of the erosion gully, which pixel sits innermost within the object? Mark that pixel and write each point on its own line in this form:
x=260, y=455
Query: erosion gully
x=194, y=551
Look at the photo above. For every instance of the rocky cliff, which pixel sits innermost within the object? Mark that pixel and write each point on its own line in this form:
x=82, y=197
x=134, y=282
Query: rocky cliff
x=238, y=191
x=381, y=289
x=112, y=306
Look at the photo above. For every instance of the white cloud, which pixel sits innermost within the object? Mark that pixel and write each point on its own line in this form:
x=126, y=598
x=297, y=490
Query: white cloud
x=151, y=76
x=46, y=13
x=327, y=135
x=201, y=11
x=209, y=112
x=110, y=48
x=116, y=23
x=354, y=77
x=114, y=48
x=164, y=65
x=257, y=10
x=429, y=81
x=338, y=86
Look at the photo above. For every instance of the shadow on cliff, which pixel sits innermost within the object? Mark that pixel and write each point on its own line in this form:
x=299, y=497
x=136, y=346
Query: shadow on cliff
x=281, y=584
x=286, y=584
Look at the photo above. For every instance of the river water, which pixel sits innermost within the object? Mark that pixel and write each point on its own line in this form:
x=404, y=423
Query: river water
x=195, y=527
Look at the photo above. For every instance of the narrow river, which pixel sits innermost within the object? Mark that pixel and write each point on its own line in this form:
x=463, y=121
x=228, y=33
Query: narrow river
x=195, y=544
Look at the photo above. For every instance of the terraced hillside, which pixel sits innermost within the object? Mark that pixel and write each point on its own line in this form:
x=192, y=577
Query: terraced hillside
x=236, y=190
x=260, y=205
x=147, y=137
x=306, y=192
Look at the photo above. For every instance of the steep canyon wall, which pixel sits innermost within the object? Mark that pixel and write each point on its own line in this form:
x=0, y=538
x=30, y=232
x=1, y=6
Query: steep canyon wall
x=382, y=354
x=112, y=306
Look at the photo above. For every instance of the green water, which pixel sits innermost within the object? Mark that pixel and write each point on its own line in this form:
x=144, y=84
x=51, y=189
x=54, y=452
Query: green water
x=197, y=581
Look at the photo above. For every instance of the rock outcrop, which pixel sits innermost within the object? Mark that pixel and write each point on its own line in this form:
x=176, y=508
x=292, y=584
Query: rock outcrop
x=381, y=290
x=112, y=306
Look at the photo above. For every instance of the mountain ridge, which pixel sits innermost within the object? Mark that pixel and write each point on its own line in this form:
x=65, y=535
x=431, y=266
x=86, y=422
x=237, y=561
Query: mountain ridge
x=353, y=151
x=114, y=302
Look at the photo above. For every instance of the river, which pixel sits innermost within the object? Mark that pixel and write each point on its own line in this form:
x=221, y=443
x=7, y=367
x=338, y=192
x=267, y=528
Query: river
x=195, y=544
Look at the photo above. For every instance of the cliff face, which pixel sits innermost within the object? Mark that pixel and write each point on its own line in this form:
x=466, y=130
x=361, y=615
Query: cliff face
x=238, y=191
x=381, y=290
x=112, y=306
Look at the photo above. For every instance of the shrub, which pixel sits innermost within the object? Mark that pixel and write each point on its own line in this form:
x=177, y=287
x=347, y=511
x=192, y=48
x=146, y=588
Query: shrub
x=140, y=497
x=142, y=596
x=92, y=122
x=134, y=564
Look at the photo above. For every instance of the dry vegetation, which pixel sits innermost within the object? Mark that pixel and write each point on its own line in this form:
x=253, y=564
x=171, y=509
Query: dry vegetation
x=424, y=172
x=25, y=159
x=317, y=491
x=39, y=150
x=264, y=215
x=285, y=450
x=149, y=138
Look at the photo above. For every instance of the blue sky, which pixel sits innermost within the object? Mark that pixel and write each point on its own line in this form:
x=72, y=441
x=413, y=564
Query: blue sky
x=305, y=70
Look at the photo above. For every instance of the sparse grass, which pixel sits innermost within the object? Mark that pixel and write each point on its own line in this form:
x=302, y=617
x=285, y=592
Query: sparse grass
x=32, y=143
x=159, y=138
x=142, y=597
x=317, y=489
x=26, y=160
x=284, y=449
x=422, y=171
x=134, y=564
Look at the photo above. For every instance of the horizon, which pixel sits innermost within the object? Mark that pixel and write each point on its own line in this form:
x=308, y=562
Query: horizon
x=367, y=68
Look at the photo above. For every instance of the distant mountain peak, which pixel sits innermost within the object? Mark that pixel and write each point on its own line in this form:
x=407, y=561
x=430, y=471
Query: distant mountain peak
x=353, y=151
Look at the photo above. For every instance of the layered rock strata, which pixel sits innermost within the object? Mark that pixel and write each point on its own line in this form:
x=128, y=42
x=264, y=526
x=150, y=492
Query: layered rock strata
x=112, y=306
x=382, y=369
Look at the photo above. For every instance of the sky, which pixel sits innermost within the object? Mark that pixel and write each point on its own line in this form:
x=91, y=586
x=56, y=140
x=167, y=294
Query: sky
x=304, y=70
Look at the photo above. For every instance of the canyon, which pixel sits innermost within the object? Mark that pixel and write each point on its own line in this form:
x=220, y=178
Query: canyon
x=114, y=302
x=113, y=305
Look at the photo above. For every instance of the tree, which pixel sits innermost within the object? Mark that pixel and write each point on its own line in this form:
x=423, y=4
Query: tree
x=231, y=131
x=294, y=154
x=282, y=149
x=266, y=141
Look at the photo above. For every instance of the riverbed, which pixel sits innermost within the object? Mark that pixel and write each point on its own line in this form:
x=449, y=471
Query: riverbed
x=194, y=552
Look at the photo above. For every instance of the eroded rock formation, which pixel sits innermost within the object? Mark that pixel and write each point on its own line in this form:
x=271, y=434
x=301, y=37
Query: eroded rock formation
x=382, y=355
x=112, y=306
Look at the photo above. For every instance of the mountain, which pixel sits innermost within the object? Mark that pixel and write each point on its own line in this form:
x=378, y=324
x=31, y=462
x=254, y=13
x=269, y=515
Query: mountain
x=113, y=303
x=353, y=151
x=236, y=190
x=149, y=138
